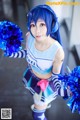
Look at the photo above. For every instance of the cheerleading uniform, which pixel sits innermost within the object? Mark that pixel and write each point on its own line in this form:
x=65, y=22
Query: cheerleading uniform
x=41, y=62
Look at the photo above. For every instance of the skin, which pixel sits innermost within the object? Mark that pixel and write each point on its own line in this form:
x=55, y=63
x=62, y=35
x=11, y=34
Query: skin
x=43, y=42
x=39, y=31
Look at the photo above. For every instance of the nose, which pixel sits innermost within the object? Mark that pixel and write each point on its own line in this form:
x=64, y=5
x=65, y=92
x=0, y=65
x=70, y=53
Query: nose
x=37, y=30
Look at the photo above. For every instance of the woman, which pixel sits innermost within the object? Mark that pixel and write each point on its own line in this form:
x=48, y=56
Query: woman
x=45, y=55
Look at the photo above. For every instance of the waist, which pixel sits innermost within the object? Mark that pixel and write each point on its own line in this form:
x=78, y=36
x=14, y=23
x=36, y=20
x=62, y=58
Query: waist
x=42, y=76
x=41, y=71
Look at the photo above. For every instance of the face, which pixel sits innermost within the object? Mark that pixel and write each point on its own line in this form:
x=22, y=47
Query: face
x=39, y=30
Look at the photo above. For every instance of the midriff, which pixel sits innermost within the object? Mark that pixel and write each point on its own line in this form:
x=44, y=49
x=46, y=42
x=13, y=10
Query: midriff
x=42, y=76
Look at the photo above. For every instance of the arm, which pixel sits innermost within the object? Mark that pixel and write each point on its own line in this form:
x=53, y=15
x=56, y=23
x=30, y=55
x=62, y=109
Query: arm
x=57, y=64
x=19, y=54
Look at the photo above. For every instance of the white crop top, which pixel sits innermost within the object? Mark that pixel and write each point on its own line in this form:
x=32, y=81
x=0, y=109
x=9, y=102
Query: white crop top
x=41, y=61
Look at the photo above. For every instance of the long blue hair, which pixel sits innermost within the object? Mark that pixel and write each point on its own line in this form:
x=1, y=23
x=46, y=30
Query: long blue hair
x=45, y=13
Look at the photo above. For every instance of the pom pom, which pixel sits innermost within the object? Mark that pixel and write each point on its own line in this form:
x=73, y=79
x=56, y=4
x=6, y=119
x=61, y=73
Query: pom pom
x=73, y=80
x=10, y=37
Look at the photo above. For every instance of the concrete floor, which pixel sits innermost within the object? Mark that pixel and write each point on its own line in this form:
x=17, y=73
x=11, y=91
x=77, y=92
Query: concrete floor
x=14, y=95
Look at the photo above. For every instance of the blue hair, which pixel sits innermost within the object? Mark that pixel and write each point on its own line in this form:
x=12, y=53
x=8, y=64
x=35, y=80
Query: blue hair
x=45, y=13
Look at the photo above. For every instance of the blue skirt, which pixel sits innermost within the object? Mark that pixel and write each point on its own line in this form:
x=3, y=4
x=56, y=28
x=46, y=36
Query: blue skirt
x=30, y=81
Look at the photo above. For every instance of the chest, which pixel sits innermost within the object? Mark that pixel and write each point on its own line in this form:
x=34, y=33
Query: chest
x=41, y=60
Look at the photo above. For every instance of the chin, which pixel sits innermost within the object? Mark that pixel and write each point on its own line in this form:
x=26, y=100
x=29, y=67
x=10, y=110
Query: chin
x=39, y=38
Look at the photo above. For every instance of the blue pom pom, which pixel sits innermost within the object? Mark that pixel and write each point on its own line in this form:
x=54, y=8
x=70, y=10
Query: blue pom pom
x=10, y=37
x=73, y=80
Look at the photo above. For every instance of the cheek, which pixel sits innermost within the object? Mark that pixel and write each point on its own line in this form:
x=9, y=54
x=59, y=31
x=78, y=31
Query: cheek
x=44, y=30
x=33, y=30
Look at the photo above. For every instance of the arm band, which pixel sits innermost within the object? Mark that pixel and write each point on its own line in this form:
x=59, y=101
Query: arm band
x=19, y=54
x=59, y=86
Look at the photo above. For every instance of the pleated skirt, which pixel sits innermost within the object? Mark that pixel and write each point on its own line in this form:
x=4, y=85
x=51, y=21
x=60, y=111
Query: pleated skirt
x=30, y=81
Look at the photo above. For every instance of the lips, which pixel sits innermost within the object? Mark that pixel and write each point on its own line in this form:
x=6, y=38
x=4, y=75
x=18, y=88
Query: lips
x=38, y=36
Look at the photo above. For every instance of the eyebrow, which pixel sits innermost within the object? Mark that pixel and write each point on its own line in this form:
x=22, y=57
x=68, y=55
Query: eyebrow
x=41, y=21
x=38, y=21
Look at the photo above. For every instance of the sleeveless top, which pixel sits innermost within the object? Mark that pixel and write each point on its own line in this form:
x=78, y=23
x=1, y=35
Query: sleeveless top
x=41, y=61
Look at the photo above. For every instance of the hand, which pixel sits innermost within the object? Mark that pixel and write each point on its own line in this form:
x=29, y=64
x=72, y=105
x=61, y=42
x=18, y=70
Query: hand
x=27, y=35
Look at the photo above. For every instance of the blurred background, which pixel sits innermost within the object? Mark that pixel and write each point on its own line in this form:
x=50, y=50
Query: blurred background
x=12, y=92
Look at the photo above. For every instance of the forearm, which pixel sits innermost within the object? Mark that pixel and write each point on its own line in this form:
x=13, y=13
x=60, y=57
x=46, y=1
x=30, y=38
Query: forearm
x=64, y=92
x=19, y=54
x=56, y=85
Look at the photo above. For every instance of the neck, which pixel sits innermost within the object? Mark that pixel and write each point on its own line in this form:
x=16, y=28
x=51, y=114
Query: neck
x=43, y=45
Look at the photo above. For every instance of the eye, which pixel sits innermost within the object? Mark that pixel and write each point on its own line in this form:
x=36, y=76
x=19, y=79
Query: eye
x=32, y=25
x=42, y=24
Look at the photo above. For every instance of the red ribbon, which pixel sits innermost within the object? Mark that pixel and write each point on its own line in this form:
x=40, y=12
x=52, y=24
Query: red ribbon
x=43, y=84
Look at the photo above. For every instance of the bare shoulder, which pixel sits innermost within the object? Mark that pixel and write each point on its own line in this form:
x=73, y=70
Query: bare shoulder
x=60, y=54
x=58, y=61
